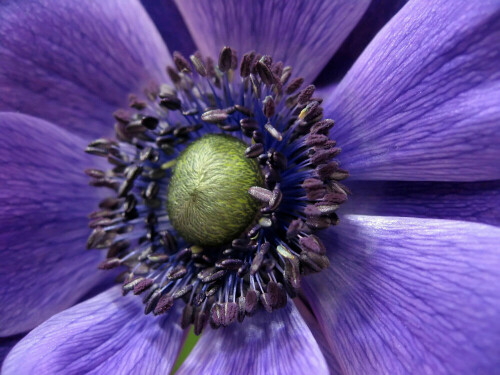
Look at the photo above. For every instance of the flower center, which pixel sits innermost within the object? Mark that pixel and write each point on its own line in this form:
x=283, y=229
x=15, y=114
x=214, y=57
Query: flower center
x=208, y=200
x=219, y=184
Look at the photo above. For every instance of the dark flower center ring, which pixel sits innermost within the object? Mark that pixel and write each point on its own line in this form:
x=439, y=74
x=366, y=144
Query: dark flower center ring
x=219, y=185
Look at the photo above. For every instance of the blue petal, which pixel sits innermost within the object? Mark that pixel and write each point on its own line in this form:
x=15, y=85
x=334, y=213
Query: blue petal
x=74, y=63
x=170, y=24
x=45, y=200
x=301, y=33
x=108, y=334
x=376, y=16
x=265, y=344
x=410, y=296
x=313, y=324
x=462, y=201
x=422, y=101
x=6, y=344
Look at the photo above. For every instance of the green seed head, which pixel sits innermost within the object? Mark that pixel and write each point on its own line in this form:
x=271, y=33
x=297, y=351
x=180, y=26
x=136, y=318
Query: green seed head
x=208, y=201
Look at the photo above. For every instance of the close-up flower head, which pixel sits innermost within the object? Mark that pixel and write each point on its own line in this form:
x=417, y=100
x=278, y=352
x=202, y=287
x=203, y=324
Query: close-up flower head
x=250, y=187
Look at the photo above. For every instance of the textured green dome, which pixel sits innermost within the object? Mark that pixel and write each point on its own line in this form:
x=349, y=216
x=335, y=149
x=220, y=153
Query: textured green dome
x=208, y=200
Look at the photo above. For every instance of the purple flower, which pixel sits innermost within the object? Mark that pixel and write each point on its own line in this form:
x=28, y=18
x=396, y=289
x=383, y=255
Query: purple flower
x=412, y=285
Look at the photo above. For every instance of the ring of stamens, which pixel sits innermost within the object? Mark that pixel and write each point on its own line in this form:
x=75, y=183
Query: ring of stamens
x=286, y=134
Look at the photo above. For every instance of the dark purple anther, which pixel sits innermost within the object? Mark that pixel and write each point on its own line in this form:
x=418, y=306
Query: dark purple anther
x=225, y=59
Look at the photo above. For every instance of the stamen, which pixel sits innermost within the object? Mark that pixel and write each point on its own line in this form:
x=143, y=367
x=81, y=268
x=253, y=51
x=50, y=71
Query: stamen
x=202, y=245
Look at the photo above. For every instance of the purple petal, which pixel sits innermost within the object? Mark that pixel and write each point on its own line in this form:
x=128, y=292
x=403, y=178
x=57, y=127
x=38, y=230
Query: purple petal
x=45, y=199
x=108, y=334
x=421, y=102
x=300, y=33
x=313, y=324
x=6, y=344
x=277, y=344
x=463, y=201
x=410, y=296
x=75, y=63
x=170, y=24
x=376, y=16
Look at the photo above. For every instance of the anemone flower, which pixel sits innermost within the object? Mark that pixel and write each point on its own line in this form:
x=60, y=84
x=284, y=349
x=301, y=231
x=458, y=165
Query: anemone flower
x=216, y=193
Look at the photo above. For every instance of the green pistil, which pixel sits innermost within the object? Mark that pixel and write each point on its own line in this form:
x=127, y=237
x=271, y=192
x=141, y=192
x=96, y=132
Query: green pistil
x=208, y=201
